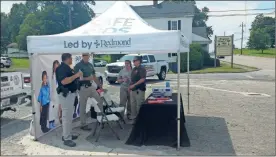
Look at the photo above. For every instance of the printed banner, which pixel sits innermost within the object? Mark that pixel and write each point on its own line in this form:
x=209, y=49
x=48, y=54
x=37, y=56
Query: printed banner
x=46, y=101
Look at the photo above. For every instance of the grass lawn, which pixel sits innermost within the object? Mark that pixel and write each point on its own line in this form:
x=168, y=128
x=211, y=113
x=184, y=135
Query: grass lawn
x=267, y=53
x=225, y=67
x=106, y=58
x=17, y=63
x=20, y=63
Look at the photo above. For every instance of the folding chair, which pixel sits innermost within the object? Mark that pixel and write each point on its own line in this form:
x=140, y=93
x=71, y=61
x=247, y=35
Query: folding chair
x=112, y=107
x=103, y=119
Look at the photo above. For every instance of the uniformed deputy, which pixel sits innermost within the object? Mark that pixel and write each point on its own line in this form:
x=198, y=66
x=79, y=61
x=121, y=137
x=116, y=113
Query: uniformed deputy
x=87, y=90
x=67, y=87
x=137, y=87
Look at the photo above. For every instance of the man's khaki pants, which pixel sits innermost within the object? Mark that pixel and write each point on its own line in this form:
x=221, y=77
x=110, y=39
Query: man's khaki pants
x=125, y=99
x=86, y=93
x=67, y=107
x=137, y=97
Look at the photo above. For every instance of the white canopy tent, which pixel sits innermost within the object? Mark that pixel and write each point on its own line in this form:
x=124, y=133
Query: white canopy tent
x=118, y=30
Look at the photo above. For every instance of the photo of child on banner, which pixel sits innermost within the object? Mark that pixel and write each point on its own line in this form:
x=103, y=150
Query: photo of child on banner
x=44, y=101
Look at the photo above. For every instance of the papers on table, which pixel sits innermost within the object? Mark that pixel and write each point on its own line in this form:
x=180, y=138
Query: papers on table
x=159, y=99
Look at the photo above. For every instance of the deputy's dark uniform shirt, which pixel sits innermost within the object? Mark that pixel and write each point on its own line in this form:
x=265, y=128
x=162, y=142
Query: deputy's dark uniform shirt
x=137, y=74
x=62, y=72
x=86, y=68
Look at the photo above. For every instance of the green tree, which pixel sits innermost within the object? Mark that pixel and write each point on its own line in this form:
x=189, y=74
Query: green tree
x=267, y=23
x=52, y=18
x=31, y=26
x=5, y=33
x=16, y=17
x=259, y=39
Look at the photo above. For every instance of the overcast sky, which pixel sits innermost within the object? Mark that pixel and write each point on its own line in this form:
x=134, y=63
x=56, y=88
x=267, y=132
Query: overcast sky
x=229, y=25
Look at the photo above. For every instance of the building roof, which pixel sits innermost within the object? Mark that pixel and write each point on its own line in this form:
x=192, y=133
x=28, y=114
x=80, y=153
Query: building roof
x=165, y=9
x=12, y=45
x=197, y=38
x=200, y=31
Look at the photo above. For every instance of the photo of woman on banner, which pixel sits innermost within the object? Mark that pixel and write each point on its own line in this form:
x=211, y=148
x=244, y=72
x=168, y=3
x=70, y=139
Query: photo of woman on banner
x=54, y=105
x=44, y=101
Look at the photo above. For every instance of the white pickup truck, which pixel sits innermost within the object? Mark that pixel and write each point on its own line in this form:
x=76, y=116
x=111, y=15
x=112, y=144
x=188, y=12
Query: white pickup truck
x=12, y=90
x=153, y=67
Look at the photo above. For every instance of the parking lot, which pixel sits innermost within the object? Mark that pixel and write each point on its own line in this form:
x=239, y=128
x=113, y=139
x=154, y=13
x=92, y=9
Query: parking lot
x=225, y=113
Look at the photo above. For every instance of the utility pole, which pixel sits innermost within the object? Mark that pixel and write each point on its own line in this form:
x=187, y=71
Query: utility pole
x=242, y=25
x=70, y=17
x=70, y=9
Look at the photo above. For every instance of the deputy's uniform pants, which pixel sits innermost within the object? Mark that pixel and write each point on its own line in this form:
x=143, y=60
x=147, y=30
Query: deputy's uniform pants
x=86, y=93
x=137, y=97
x=125, y=99
x=67, y=107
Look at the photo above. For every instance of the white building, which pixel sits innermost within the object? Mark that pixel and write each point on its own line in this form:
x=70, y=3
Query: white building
x=13, y=51
x=169, y=15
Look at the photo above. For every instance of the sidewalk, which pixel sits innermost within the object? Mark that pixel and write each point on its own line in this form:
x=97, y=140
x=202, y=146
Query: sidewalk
x=51, y=144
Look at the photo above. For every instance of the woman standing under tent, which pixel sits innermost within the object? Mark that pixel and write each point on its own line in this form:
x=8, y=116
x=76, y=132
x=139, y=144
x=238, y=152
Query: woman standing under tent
x=124, y=79
x=53, y=110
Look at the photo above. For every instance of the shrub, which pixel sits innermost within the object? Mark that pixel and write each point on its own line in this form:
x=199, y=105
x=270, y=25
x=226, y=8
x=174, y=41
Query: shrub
x=115, y=57
x=206, y=57
x=196, y=58
x=210, y=62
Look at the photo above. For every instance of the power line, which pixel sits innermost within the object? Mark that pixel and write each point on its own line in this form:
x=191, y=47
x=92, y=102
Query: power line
x=225, y=15
x=217, y=11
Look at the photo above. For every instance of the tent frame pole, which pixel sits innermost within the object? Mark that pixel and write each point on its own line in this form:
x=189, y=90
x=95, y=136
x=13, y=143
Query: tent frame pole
x=33, y=98
x=178, y=100
x=188, y=81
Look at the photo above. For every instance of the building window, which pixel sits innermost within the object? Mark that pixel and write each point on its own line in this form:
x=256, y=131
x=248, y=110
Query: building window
x=174, y=25
x=174, y=54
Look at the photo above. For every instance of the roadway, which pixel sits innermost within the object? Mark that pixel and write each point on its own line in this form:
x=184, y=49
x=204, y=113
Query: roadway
x=15, y=125
x=266, y=73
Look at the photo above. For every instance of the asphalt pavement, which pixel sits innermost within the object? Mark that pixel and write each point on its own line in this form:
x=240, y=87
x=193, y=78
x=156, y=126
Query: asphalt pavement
x=218, y=95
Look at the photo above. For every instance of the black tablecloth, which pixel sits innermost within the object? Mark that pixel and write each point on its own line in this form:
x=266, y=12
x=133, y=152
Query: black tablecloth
x=156, y=124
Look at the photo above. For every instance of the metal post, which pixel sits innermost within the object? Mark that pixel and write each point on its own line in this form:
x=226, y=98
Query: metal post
x=178, y=100
x=215, y=52
x=33, y=97
x=188, y=81
x=232, y=54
